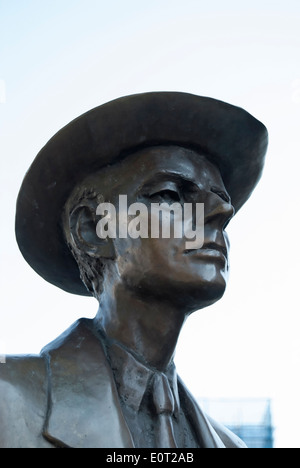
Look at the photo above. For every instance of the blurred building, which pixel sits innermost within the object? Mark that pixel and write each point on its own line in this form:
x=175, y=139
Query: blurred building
x=250, y=419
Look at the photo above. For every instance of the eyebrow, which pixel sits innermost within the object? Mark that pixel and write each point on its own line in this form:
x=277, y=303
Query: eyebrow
x=179, y=178
x=167, y=176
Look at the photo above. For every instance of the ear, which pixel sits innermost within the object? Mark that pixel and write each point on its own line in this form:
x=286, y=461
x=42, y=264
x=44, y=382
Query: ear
x=82, y=224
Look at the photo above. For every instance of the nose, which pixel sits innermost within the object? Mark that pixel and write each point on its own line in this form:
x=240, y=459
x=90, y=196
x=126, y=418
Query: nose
x=219, y=213
x=216, y=218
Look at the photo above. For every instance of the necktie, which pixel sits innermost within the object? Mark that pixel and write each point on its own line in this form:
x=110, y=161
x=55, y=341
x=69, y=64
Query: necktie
x=163, y=400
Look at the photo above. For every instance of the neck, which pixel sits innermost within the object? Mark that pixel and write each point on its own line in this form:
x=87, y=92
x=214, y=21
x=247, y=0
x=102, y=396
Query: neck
x=147, y=327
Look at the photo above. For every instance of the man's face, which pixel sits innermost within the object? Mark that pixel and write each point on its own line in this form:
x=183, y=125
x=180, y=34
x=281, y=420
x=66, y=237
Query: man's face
x=163, y=268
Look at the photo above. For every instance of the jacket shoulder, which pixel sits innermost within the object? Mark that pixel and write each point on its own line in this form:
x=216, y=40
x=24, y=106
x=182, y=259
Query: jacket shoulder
x=23, y=400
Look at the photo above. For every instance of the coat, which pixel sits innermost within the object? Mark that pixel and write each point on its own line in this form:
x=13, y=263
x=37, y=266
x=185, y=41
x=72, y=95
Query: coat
x=67, y=397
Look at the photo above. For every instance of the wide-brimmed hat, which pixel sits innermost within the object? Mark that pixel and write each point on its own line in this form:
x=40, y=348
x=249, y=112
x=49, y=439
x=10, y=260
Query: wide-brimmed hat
x=232, y=138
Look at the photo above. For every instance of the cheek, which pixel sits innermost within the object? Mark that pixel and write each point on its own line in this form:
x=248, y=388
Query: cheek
x=139, y=257
x=163, y=253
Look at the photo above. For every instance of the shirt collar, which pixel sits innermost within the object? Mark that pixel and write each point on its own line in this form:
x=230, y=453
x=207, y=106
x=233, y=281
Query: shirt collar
x=133, y=378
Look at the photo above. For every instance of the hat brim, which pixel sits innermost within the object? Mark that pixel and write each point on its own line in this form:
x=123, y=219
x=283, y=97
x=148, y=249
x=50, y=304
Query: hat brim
x=233, y=139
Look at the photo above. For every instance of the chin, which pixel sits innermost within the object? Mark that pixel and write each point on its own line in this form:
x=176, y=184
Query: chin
x=204, y=296
x=200, y=294
x=192, y=295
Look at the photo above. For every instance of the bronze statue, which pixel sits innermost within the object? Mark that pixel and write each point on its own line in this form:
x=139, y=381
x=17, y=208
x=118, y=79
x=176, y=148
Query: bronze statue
x=111, y=382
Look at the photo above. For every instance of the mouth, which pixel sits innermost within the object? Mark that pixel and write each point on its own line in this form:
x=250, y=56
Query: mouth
x=210, y=250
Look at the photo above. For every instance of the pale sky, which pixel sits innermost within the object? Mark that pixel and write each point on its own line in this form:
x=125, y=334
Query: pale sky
x=60, y=58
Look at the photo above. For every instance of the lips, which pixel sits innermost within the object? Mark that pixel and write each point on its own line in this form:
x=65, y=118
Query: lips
x=216, y=247
x=209, y=249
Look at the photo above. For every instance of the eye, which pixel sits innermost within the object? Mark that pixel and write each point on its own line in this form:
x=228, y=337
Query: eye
x=165, y=196
x=162, y=192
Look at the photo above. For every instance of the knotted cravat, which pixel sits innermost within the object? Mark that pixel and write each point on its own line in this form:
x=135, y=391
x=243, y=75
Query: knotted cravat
x=164, y=403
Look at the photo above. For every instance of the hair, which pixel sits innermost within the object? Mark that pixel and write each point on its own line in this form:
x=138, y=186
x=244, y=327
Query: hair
x=91, y=269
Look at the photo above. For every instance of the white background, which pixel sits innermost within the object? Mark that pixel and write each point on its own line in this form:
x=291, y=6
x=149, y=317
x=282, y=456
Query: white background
x=60, y=58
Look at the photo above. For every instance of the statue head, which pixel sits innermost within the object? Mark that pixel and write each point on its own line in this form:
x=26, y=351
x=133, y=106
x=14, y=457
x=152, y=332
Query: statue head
x=153, y=148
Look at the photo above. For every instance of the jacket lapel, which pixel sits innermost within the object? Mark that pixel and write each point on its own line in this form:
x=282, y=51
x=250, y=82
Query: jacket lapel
x=205, y=433
x=83, y=403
